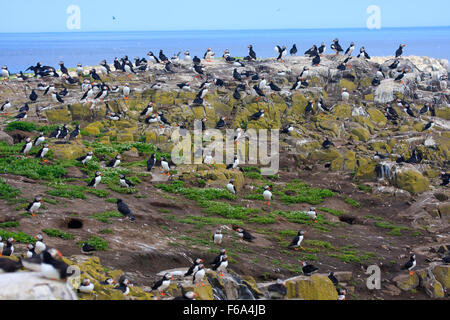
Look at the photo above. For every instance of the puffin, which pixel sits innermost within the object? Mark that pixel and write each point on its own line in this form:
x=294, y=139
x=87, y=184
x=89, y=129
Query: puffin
x=395, y=64
x=33, y=96
x=313, y=51
x=52, y=268
x=85, y=159
x=162, y=56
x=231, y=187
x=39, y=246
x=194, y=268
x=21, y=77
x=27, y=147
x=162, y=119
x=244, y=234
x=341, y=294
x=400, y=76
x=86, y=248
x=5, y=106
x=235, y=163
x=446, y=260
x=24, y=108
x=221, y=266
x=124, y=182
x=322, y=48
x=274, y=87
x=148, y=109
x=125, y=210
x=123, y=285
x=199, y=275
x=221, y=123
x=218, y=258
x=308, y=269
x=126, y=91
x=151, y=162
x=63, y=68
x=399, y=51
x=428, y=126
x=312, y=214
x=56, y=97
x=344, y=94
x=34, y=206
x=336, y=46
x=165, y=166
x=445, y=177
x=380, y=73
x=96, y=180
x=425, y=109
x=153, y=57
x=376, y=81
x=322, y=107
x=41, y=153
x=187, y=295
x=287, y=129
x=297, y=241
x=114, y=162
x=107, y=282
x=281, y=51
x=277, y=290
x=31, y=253
x=257, y=115
x=363, y=53
x=162, y=284
x=8, y=250
x=411, y=264
x=251, y=52
x=95, y=76
x=333, y=279
x=327, y=143
x=316, y=60
x=22, y=115
x=350, y=49
x=267, y=194
x=8, y=265
x=86, y=286
x=75, y=133
x=309, y=107
x=217, y=237
x=236, y=75
x=5, y=73
x=63, y=133
x=79, y=69
x=293, y=50
x=196, y=60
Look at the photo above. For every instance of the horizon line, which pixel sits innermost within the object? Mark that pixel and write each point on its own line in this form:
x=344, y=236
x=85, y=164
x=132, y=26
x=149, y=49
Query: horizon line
x=208, y=30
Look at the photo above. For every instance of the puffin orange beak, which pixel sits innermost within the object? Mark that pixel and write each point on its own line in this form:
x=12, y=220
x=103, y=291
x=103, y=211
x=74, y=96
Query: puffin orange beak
x=59, y=254
x=35, y=237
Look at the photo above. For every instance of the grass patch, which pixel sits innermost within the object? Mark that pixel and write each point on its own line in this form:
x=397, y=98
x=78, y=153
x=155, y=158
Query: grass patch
x=202, y=221
x=7, y=192
x=394, y=230
x=353, y=203
x=105, y=216
x=9, y=224
x=96, y=242
x=33, y=168
x=334, y=212
x=67, y=191
x=106, y=231
x=177, y=187
x=19, y=236
x=305, y=194
x=58, y=234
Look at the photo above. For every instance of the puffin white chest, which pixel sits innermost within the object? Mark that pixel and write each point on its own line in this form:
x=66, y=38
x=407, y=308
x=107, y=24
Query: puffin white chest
x=40, y=140
x=267, y=195
x=27, y=147
x=165, y=284
x=223, y=266
x=124, y=183
x=39, y=247
x=86, y=289
x=116, y=163
x=300, y=239
x=230, y=188
x=87, y=159
x=44, y=152
x=35, y=207
x=165, y=165
x=199, y=275
x=218, y=238
x=97, y=181
x=49, y=272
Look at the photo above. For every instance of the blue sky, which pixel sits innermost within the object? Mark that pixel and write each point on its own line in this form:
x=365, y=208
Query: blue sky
x=135, y=15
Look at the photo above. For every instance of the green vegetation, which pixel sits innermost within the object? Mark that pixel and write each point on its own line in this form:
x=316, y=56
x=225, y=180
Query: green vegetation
x=33, y=168
x=352, y=202
x=106, y=231
x=200, y=222
x=66, y=191
x=334, y=212
x=7, y=191
x=177, y=187
x=304, y=193
x=395, y=230
x=303, y=218
x=96, y=242
x=19, y=236
x=58, y=233
x=105, y=216
x=9, y=224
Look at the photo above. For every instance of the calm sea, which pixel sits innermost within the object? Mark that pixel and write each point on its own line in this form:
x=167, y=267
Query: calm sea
x=18, y=51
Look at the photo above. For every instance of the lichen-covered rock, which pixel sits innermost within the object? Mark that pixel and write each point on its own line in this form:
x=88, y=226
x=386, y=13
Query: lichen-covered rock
x=411, y=181
x=316, y=287
x=362, y=133
x=4, y=137
x=68, y=151
x=376, y=116
x=61, y=115
x=366, y=169
x=342, y=111
x=325, y=155
x=407, y=282
x=349, y=85
x=93, y=128
x=442, y=274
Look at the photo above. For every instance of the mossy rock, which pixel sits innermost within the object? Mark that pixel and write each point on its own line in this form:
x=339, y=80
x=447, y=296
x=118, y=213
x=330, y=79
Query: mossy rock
x=93, y=129
x=366, y=83
x=125, y=137
x=381, y=147
x=80, y=111
x=411, y=181
x=62, y=115
x=376, y=116
x=442, y=274
x=150, y=136
x=166, y=98
x=68, y=151
x=316, y=287
x=350, y=161
x=349, y=85
x=443, y=113
x=444, y=210
x=362, y=133
x=366, y=169
x=329, y=125
x=325, y=155
x=407, y=282
x=368, y=97
x=104, y=140
x=337, y=164
x=342, y=111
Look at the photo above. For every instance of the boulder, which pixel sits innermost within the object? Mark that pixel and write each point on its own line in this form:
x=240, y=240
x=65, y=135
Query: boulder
x=4, y=137
x=316, y=287
x=411, y=181
x=62, y=115
x=407, y=282
x=442, y=274
x=68, y=151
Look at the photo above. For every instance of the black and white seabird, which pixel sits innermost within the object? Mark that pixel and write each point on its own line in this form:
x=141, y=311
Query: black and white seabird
x=363, y=53
x=333, y=278
x=244, y=234
x=428, y=126
x=43, y=152
x=251, y=52
x=33, y=96
x=22, y=115
x=123, y=285
x=350, y=49
x=199, y=275
x=8, y=265
x=277, y=290
x=399, y=51
x=86, y=158
x=124, y=182
x=297, y=241
x=308, y=269
x=218, y=258
x=445, y=177
x=96, y=180
x=411, y=264
x=281, y=51
x=151, y=162
x=27, y=147
x=221, y=266
x=336, y=46
x=257, y=115
x=221, y=123
x=123, y=208
x=75, y=133
x=231, y=187
x=8, y=250
x=114, y=162
x=312, y=52
x=86, y=286
x=217, y=237
x=267, y=195
x=52, y=268
x=162, y=284
x=327, y=143
x=34, y=206
x=86, y=248
x=194, y=268
x=235, y=163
